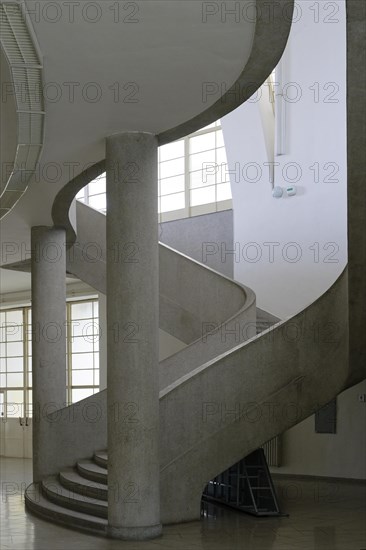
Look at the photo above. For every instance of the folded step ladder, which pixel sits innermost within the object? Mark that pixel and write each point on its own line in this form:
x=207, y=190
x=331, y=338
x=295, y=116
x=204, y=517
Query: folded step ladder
x=246, y=486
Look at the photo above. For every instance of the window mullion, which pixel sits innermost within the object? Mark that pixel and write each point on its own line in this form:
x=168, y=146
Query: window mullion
x=216, y=170
x=187, y=178
x=188, y=210
x=86, y=194
x=69, y=353
x=25, y=362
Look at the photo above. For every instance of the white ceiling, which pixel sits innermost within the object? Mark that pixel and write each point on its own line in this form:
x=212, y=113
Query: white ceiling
x=169, y=54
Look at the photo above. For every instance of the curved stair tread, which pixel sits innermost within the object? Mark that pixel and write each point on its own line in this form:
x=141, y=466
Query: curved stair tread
x=44, y=508
x=54, y=491
x=92, y=471
x=71, y=479
x=101, y=458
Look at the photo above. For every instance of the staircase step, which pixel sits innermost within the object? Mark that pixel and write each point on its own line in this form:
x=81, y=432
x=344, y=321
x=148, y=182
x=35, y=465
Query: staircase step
x=57, y=493
x=40, y=505
x=71, y=479
x=92, y=471
x=101, y=458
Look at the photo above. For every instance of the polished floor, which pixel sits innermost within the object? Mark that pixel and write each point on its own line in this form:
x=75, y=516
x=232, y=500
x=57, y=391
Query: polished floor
x=322, y=516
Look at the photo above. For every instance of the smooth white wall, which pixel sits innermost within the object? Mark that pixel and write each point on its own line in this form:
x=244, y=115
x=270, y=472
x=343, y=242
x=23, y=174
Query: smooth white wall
x=314, y=71
x=331, y=455
x=315, y=133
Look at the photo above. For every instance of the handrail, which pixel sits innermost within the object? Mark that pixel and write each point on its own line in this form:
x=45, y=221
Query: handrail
x=214, y=300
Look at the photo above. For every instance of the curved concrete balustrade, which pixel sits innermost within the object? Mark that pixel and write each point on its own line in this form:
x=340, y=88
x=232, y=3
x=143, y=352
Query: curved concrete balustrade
x=212, y=412
x=192, y=296
x=224, y=410
x=206, y=310
x=232, y=403
x=220, y=412
x=194, y=299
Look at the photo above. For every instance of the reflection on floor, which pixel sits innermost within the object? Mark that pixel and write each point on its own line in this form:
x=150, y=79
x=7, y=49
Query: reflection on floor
x=323, y=516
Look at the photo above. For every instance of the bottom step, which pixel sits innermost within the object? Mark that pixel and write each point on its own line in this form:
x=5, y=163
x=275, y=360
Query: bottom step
x=38, y=504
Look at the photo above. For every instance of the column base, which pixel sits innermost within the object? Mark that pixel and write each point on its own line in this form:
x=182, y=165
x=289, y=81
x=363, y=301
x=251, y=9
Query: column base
x=135, y=533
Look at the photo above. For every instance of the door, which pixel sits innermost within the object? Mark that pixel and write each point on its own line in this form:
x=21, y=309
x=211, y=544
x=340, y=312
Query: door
x=16, y=429
x=2, y=422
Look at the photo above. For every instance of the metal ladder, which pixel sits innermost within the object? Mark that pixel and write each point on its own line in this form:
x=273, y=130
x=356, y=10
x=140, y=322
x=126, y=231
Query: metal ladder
x=246, y=486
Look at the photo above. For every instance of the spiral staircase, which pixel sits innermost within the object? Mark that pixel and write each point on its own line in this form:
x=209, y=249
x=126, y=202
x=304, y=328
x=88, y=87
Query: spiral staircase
x=278, y=363
x=296, y=364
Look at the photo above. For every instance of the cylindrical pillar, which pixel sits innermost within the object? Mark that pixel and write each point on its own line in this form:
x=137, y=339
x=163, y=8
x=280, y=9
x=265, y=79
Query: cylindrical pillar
x=48, y=338
x=132, y=341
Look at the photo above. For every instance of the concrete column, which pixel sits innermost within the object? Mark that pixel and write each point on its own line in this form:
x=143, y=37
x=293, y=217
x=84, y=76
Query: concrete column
x=132, y=341
x=356, y=167
x=48, y=338
x=102, y=300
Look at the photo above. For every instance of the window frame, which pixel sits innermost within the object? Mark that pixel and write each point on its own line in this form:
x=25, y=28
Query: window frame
x=27, y=387
x=189, y=210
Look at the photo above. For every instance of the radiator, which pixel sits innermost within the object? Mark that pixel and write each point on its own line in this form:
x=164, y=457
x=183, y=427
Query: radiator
x=272, y=450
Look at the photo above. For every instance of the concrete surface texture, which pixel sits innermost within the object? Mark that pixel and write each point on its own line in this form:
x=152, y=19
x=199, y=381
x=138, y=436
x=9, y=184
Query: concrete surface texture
x=356, y=166
x=226, y=408
x=223, y=401
x=132, y=336
x=209, y=312
x=48, y=335
x=207, y=238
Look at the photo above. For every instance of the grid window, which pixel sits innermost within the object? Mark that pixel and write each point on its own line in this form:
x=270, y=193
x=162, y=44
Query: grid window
x=192, y=177
x=171, y=185
x=94, y=194
x=82, y=346
x=12, y=350
x=171, y=151
x=82, y=349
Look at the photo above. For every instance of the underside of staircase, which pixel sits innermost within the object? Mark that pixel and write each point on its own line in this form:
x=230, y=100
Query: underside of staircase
x=249, y=358
x=78, y=496
x=288, y=363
